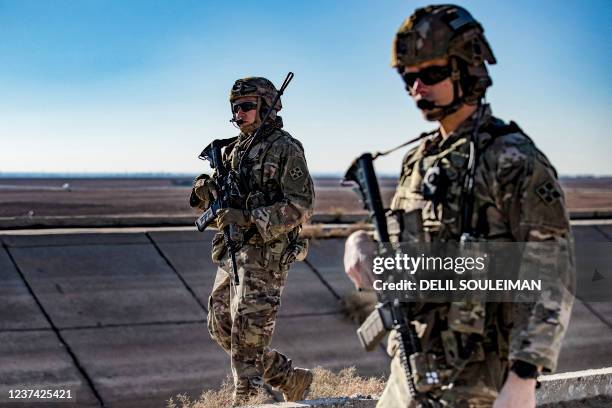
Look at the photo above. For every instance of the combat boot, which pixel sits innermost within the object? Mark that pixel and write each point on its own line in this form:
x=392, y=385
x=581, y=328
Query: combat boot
x=298, y=385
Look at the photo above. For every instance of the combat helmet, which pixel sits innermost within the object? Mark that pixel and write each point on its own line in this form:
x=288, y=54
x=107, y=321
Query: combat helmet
x=260, y=87
x=447, y=31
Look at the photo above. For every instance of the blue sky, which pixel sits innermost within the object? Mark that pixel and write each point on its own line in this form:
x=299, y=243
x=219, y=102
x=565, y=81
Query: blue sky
x=141, y=86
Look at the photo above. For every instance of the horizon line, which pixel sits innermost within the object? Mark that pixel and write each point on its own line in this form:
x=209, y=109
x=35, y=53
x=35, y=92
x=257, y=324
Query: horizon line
x=47, y=175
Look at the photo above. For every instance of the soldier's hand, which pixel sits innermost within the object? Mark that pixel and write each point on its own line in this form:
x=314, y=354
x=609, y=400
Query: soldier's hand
x=358, y=252
x=203, y=192
x=236, y=216
x=204, y=187
x=516, y=392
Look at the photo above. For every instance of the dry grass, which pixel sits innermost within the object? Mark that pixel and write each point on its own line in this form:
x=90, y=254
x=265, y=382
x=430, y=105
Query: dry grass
x=326, y=384
x=346, y=383
x=221, y=398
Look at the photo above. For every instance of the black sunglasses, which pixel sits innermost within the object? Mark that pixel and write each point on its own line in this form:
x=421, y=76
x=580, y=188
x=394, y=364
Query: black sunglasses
x=429, y=76
x=244, y=106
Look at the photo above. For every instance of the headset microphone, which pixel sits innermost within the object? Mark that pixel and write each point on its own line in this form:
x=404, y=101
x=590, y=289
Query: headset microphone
x=429, y=105
x=426, y=104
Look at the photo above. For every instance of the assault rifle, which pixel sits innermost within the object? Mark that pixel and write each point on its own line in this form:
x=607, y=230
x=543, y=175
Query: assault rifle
x=227, y=182
x=228, y=192
x=391, y=312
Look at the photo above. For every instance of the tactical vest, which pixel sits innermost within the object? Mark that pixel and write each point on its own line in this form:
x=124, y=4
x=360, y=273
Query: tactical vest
x=258, y=170
x=431, y=189
x=432, y=181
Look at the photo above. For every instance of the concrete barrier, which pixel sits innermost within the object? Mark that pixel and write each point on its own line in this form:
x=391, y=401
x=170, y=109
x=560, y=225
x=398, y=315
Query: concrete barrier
x=345, y=402
x=577, y=385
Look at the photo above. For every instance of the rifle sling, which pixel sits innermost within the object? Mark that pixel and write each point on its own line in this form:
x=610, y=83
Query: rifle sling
x=416, y=139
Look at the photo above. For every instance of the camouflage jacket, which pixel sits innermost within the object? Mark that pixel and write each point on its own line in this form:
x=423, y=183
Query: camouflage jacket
x=278, y=188
x=516, y=198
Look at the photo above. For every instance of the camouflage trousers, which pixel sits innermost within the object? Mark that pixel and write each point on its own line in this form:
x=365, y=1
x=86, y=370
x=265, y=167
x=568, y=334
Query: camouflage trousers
x=241, y=319
x=476, y=387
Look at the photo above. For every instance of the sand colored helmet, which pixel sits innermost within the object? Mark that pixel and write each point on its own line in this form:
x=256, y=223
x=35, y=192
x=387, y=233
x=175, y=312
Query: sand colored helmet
x=255, y=86
x=446, y=31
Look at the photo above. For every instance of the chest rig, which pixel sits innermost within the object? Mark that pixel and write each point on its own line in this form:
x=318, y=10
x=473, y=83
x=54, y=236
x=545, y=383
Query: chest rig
x=257, y=168
x=435, y=182
x=442, y=171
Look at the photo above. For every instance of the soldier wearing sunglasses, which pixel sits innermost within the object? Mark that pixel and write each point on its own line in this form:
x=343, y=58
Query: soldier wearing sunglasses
x=475, y=177
x=278, y=197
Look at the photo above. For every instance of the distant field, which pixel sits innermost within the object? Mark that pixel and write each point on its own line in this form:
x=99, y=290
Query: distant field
x=121, y=196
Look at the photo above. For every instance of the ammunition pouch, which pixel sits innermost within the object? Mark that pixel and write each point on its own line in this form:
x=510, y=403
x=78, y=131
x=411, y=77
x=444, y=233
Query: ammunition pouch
x=218, y=248
x=467, y=317
x=462, y=342
x=406, y=226
x=279, y=252
x=255, y=200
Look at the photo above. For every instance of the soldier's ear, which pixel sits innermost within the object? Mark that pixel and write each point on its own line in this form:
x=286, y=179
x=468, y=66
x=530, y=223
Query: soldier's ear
x=263, y=108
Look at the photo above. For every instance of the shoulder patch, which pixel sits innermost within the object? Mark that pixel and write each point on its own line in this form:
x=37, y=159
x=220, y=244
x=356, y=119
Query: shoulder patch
x=296, y=173
x=548, y=192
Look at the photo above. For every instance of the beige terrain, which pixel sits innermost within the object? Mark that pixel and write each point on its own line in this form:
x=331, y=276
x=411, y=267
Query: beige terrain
x=129, y=196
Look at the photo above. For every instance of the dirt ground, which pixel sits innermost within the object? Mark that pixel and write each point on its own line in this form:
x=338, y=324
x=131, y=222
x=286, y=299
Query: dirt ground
x=125, y=196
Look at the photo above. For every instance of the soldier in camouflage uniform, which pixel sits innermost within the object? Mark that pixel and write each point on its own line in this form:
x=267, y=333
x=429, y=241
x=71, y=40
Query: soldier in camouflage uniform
x=278, y=199
x=440, y=52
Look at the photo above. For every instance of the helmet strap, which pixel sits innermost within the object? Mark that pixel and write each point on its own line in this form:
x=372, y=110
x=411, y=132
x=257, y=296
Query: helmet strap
x=455, y=104
x=457, y=97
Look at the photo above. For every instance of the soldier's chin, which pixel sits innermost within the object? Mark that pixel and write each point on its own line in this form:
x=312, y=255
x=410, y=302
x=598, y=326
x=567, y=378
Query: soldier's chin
x=432, y=115
x=251, y=127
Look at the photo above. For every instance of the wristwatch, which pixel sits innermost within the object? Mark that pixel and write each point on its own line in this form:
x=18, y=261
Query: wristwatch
x=525, y=370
